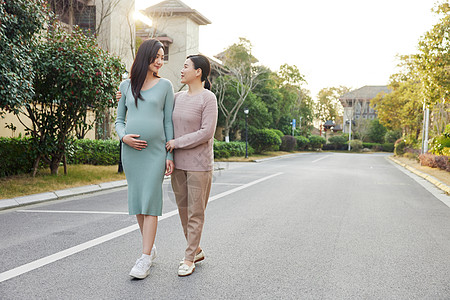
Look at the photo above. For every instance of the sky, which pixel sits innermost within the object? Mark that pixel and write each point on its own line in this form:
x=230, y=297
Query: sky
x=351, y=43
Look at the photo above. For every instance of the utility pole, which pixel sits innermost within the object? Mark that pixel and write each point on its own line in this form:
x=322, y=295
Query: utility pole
x=426, y=123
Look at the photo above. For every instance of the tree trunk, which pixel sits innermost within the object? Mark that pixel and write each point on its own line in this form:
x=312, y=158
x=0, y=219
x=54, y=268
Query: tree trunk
x=36, y=165
x=65, y=164
x=54, y=165
x=227, y=131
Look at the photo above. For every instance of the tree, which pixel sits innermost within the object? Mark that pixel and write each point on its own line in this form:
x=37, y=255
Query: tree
x=328, y=106
x=433, y=64
x=376, y=131
x=294, y=102
x=242, y=75
x=73, y=75
x=402, y=108
x=20, y=20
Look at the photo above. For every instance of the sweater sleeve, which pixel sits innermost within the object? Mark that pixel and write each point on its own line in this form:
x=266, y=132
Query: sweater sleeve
x=121, y=112
x=168, y=124
x=207, y=128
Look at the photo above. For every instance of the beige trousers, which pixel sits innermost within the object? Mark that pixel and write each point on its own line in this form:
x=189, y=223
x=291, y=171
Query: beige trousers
x=191, y=192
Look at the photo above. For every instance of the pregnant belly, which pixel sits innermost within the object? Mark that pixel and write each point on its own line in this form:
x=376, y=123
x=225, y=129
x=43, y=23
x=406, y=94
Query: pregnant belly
x=150, y=131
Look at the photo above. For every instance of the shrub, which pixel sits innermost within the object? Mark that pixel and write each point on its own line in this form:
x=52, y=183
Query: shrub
x=278, y=132
x=94, y=152
x=302, y=142
x=392, y=135
x=288, y=143
x=371, y=145
x=328, y=147
x=427, y=159
x=17, y=156
x=443, y=162
x=337, y=141
x=387, y=147
x=440, y=142
x=316, y=142
x=225, y=150
x=376, y=131
x=435, y=161
x=264, y=140
x=356, y=145
x=411, y=155
x=399, y=147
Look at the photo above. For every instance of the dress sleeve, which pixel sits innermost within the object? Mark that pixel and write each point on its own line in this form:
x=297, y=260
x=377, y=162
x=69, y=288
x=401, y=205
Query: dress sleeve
x=207, y=128
x=168, y=125
x=121, y=113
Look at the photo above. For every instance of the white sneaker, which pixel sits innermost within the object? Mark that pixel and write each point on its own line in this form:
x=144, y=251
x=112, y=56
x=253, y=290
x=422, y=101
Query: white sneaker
x=141, y=269
x=153, y=253
x=185, y=270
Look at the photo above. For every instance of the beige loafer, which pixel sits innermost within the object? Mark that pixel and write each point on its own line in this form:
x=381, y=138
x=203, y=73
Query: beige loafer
x=185, y=270
x=198, y=257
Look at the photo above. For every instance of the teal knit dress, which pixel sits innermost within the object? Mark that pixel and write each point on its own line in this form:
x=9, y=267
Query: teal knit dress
x=152, y=120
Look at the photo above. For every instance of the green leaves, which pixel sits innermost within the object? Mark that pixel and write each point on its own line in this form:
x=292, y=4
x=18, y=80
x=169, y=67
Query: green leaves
x=20, y=20
x=433, y=62
x=73, y=77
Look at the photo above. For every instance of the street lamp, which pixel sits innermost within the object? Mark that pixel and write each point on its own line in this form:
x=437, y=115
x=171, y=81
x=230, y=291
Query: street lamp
x=246, y=134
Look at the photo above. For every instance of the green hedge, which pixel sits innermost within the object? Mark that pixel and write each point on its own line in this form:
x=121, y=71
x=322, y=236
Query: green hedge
x=16, y=156
x=94, y=152
x=288, y=143
x=264, y=140
x=302, y=142
x=356, y=145
x=316, y=142
x=338, y=142
x=225, y=150
x=386, y=147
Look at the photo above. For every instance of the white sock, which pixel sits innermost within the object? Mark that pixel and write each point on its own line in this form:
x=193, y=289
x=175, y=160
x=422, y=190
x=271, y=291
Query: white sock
x=146, y=257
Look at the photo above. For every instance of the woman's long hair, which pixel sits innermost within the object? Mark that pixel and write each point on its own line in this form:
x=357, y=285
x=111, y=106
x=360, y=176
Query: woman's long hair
x=145, y=56
x=202, y=62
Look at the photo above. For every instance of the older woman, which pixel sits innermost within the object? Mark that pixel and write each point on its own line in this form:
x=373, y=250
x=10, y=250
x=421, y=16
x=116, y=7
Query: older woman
x=194, y=119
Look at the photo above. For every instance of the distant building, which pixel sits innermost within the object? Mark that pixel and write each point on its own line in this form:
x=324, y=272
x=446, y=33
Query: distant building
x=357, y=103
x=176, y=25
x=111, y=21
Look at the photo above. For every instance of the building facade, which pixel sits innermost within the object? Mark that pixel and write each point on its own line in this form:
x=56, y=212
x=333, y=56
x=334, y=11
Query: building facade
x=357, y=104
x=177, y=26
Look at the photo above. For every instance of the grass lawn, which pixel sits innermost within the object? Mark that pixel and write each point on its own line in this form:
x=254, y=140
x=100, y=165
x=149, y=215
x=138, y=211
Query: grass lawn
x=77, y=175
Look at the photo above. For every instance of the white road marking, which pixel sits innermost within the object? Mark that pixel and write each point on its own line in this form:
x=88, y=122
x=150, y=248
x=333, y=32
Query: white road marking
x=224, y=183
x=320, y=158
x=89, y=244
x=74, y=212
x=242, y=187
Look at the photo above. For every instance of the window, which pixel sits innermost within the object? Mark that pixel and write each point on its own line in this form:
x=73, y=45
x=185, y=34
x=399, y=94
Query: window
x=166, y=52
x=85, y=18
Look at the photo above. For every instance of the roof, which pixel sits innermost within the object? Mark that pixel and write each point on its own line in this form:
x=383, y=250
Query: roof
x=329, y=123
x=365, y=93
x=176, y=8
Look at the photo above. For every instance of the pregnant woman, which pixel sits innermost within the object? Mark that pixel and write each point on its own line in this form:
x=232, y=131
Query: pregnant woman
x=144, y=125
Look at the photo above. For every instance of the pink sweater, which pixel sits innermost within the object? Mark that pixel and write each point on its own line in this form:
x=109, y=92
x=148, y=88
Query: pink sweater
x=194, y=122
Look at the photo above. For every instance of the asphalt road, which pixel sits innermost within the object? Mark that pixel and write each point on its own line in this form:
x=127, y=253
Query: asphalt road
x=307, y=226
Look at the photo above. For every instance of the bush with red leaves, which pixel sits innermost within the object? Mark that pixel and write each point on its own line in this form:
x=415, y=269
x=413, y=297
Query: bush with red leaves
x=435, y=161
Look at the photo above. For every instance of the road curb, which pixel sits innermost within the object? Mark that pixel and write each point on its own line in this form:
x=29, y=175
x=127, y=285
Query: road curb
x=439, y=184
